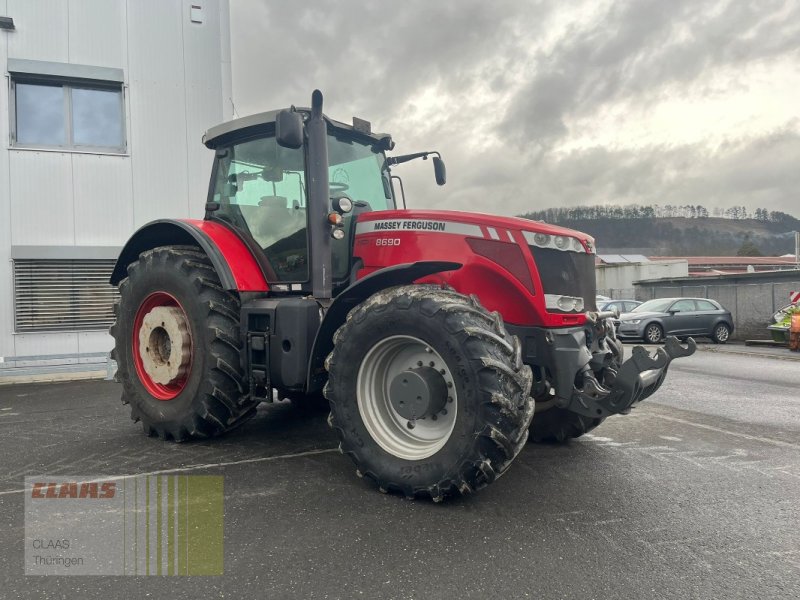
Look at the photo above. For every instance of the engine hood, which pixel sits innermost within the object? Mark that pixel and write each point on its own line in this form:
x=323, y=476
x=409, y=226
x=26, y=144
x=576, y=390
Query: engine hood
x=477, y=218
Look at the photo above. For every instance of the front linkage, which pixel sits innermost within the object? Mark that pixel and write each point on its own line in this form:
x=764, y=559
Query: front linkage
x=585, y=367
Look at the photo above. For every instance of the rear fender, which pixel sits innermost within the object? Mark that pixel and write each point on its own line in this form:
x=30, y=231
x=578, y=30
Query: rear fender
x=353, y=296
x=232, y=260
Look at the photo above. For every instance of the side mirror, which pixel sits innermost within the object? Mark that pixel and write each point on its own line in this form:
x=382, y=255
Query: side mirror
x=289, y=129
x=439, y=170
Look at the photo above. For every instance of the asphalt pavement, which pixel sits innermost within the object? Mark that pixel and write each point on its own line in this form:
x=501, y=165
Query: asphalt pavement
x=693, y=495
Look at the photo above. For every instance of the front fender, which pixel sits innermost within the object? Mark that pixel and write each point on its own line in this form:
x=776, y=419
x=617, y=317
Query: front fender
x=354, y=295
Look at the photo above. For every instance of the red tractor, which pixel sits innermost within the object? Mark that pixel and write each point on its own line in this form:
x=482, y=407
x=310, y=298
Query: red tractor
x=434, y=335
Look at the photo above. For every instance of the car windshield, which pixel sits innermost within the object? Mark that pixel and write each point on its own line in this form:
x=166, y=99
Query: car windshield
x=660, y=305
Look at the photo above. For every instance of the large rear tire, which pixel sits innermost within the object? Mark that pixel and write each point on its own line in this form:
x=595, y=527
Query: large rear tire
x=177, y=346
x=470, y=372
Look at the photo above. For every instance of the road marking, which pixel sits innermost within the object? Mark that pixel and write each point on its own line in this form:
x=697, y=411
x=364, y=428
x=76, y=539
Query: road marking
x=746, y=436
x=203, y=466
x=9, y=415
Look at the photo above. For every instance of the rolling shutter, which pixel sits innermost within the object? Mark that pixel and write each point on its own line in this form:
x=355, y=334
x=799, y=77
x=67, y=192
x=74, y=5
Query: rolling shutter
x=63, y=295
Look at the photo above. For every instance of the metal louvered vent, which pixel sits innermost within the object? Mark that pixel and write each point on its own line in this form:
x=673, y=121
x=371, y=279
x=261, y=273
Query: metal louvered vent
x=63, y=295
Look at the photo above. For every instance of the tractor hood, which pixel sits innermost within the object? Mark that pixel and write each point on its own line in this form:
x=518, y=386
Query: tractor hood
x=482, y=220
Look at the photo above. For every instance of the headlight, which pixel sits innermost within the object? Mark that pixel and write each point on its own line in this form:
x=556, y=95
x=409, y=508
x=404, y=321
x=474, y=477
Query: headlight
x=563, y=303
x=565, y=243
x=342, y=205
x=633, y=321
x=541, y=239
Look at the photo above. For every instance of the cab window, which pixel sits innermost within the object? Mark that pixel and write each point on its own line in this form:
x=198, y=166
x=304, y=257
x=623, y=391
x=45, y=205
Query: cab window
x=261, y=190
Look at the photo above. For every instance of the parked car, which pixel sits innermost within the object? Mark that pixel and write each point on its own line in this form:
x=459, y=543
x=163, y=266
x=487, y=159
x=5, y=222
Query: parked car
x=653, y=320
x=623, y=306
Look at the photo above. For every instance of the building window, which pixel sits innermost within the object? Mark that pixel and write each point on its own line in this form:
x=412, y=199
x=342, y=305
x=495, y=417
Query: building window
x=63, y=295
x=63, y=114
x=66, y=106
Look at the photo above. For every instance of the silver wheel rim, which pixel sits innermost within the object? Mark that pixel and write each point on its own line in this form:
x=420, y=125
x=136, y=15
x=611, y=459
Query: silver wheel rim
x=722, y=333
x=384, y=361
x=653, y=333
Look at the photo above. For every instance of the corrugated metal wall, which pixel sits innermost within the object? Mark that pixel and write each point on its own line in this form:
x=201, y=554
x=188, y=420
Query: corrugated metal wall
x=177, y=76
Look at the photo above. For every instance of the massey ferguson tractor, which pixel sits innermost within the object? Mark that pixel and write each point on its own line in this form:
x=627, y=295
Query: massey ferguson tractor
x=438, y=338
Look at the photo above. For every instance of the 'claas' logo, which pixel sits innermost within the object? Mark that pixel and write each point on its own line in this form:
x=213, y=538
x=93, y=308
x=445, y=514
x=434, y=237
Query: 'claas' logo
x=72, y=489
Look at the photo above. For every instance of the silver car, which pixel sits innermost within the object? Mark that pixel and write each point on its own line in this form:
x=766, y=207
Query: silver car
x=681, y=317
x=623, y=306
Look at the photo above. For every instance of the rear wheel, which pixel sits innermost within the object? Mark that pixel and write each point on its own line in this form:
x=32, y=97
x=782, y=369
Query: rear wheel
x=721, y=333
x=177, y=346
x=428, y=392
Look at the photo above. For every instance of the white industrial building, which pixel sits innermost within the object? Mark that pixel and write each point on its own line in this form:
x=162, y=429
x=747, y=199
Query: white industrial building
x=615, y=274
x=101, y=119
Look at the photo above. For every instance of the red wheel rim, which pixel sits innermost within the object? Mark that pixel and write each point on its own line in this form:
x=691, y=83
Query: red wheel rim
x=155, y=389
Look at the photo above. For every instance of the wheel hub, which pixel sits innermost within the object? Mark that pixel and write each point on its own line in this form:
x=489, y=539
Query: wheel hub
x=165, y=346
x=407, y=397
x=418, y=393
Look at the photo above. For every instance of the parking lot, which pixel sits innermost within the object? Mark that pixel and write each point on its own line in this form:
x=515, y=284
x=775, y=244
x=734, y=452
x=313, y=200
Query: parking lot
x=694, y=495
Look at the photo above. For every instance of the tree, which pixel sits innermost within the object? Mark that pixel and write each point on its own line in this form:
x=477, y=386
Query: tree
x=748, y=248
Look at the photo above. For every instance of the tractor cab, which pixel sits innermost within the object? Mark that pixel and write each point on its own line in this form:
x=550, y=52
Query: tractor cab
x=260, y=187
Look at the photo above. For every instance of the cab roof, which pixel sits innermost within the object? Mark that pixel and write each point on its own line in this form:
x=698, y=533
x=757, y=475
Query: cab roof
x=264, y=122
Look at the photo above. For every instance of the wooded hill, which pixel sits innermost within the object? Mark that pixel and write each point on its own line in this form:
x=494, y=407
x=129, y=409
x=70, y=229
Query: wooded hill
x=690, y=230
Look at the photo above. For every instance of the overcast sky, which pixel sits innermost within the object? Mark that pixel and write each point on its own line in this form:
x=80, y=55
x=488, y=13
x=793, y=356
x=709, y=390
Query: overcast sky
x=541, y=103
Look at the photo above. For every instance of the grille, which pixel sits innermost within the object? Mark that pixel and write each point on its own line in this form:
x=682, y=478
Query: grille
x=63, y=295
x=567, y=274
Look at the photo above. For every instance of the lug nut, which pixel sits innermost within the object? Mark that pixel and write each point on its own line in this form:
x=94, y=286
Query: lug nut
x=444, y=411
x=410, y=424
x=431, y=364
x=434, y=417
x=449, y=398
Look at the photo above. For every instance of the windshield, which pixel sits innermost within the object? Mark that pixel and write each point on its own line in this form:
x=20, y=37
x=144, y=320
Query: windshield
x=356, y=171
x=660, y=305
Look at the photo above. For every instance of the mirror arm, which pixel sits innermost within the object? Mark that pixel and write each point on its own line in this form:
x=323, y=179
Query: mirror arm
x=396, y=160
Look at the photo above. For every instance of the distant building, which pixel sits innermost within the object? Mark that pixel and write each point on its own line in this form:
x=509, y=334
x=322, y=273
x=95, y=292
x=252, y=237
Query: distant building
x=102, y=118
x=704, y=266
x=615, y=273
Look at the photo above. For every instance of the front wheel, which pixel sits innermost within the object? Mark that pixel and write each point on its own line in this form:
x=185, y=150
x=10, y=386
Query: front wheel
x=653, y=333
x=721, y=333
x=428, y=393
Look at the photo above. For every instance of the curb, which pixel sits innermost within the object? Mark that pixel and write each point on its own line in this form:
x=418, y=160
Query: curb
x=796, y=356
x=51, y=377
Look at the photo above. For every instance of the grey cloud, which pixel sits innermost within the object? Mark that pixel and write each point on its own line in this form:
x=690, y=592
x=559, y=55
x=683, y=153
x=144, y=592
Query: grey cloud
x=375, y=60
